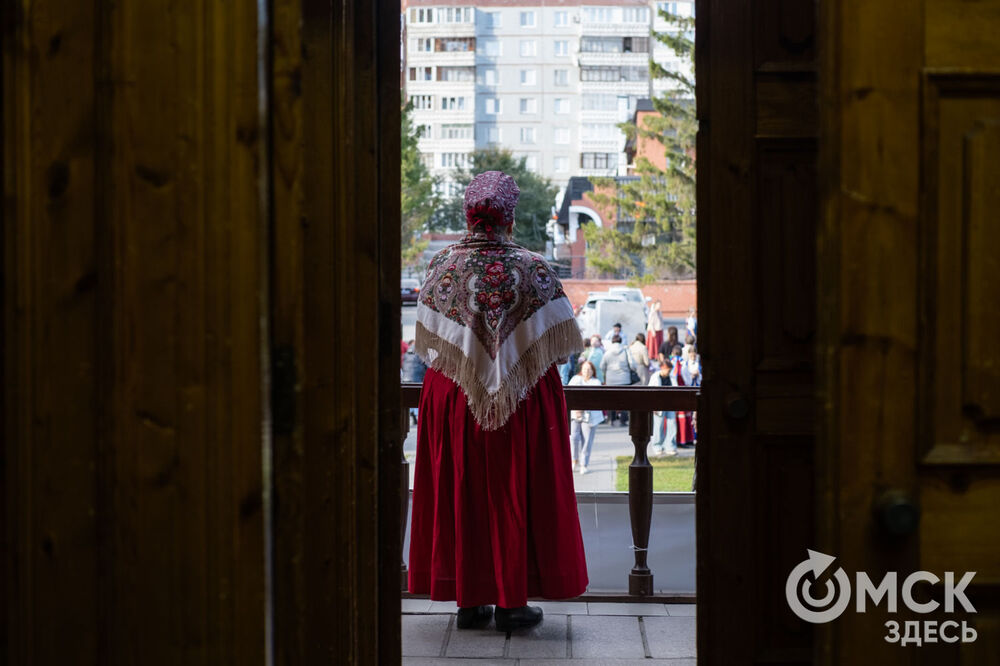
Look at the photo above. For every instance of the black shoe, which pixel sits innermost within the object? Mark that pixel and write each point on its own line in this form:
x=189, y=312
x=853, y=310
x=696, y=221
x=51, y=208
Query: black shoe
x=509, y=619
x=474, y=617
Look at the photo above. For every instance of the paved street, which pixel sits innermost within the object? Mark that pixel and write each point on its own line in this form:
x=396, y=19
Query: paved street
x=408, y=317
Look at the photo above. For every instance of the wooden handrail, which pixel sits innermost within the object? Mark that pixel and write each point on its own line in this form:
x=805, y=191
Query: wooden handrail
x=639, y=398
x=641, y=402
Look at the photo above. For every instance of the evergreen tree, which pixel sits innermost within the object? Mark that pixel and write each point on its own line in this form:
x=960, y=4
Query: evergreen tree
x=655, y=234
x=418, y=200
x=534, y=206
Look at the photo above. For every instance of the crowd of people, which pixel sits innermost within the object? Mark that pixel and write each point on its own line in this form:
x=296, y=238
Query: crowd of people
x=651, y=359
x=654, y=358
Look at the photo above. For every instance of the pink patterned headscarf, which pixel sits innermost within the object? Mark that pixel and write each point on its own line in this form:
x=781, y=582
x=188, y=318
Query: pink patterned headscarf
x=490, y=200
x=493, y=316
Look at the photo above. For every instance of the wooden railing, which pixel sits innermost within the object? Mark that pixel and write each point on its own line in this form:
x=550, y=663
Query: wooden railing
x=641, y=402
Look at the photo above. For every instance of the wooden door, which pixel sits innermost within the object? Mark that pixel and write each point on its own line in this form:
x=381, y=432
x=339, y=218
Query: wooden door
x=757, y=217
x=133, y=242
x=909, y=283
x=335, y=331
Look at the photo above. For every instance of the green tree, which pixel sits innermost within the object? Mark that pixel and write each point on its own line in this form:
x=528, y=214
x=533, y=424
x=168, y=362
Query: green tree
x=655, y=234
x=417, y=193
x=534, y=206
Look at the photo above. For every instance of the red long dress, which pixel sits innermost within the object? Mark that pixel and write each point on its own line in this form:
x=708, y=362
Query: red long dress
x=494, y=512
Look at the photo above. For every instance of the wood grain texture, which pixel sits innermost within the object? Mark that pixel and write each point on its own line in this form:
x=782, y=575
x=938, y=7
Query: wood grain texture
x=907, y=334
x=757, y=210
x=960, y=398
x=134, y=414
x=336, y=278
x=52, y=320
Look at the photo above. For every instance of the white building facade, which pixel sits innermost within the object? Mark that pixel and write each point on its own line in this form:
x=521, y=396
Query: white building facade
x=548, y=80
x=661, y=53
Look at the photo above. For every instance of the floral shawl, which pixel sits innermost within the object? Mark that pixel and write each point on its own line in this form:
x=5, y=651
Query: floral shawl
x=493, y=317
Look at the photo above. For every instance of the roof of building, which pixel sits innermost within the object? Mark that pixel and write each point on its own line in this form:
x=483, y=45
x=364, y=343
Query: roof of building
x=644, y=104
x=575, y=189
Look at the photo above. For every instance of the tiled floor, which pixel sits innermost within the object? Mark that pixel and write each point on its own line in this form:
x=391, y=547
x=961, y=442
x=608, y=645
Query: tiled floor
x=593, y=634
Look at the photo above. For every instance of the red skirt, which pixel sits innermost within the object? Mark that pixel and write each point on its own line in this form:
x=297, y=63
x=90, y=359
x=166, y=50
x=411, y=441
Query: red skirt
x=494, y=513
x=653, y=341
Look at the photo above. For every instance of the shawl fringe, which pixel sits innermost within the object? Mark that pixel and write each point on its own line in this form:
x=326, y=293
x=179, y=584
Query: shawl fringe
x=492, y=410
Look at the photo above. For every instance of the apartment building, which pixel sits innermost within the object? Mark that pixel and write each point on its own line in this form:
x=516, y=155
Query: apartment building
x=661, y=53
x=547, y=79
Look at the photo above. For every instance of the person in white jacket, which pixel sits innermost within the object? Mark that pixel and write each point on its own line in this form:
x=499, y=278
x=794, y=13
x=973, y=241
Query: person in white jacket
x=583, y=422
x=664, y=423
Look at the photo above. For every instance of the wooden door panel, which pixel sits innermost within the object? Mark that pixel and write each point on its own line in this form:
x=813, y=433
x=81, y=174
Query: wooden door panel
x=960, y=397
x=908, y=283
x=757, y=207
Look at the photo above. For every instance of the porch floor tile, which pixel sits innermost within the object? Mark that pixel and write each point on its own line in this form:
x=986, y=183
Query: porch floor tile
x=610, y=635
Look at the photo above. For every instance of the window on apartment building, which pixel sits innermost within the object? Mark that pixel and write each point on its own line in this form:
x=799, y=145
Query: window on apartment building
x=528, y=19
x=451, y=131
x=423, y=45
x=635, y=14
x=597, y=102
x=423, y=102
x=600, y=73
x=421, y=74
x=635, y=44
x=422, y=15
x=455, y=15
x=452, y=103
x=455, y=44
x=560, y=105
x=528, y=47
x=599, y=131
x=599, y=15
x=528, y=77
x=489, y=47
x=614, y=44
x=449, y=160
x=488, y=76
x=427, y=159
x=491, y=19
x=560, y=47
x=634, y=74
x=561, y=19
x=531, y=162
x=560, y=164
x=491, y=134
x=600, y=44
x=561, y=135
x=423, y=130
x=528, y=105
x=668, y=7
x=598, y=160
x=492, y=105
x=527, y=135
x=461, y=74
x=560, y=77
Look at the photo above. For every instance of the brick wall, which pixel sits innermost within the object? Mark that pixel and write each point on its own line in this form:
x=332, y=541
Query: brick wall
x=675, y=297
